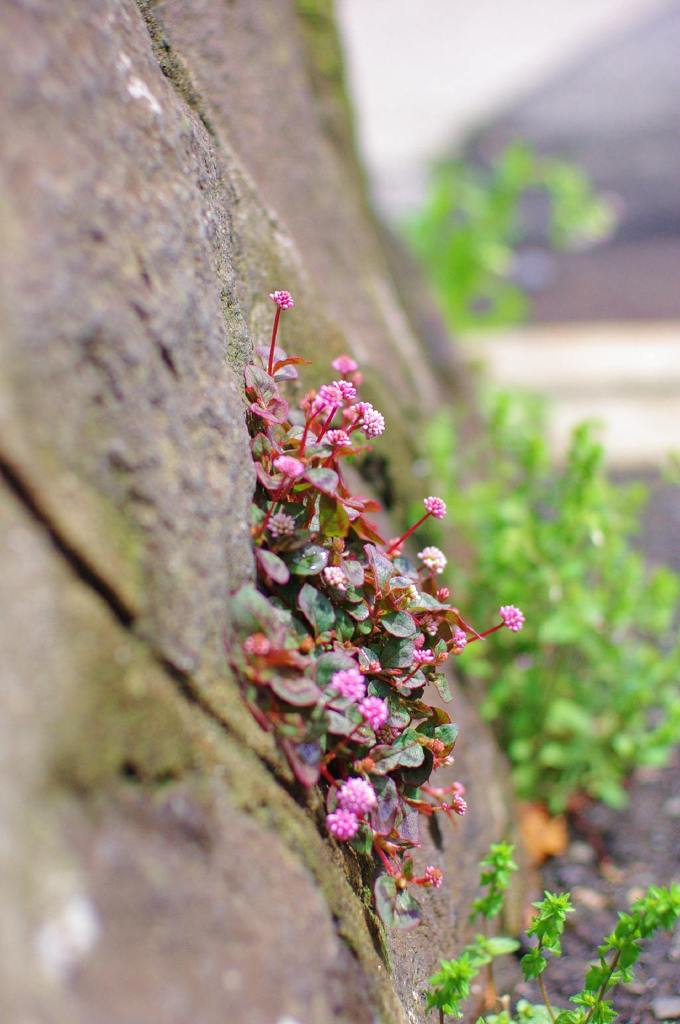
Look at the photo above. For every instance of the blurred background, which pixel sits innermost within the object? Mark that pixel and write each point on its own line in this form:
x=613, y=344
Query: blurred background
x=530, y=153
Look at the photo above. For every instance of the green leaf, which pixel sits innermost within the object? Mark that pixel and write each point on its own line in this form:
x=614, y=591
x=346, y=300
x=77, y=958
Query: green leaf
x=500, y=946
x=362, y=841
x=383, y=570
x=397, y=653
x=251, y=611
x=399, y=624
x=308, y=561
x=298, y=690
x=333, y=518
x=330, y=662
x=325, y=480
x=407, y=913
x=273, y=567
x=533, y=964
x=442, y=684
x=446, y=733
x=316, y=608
x=385, y=892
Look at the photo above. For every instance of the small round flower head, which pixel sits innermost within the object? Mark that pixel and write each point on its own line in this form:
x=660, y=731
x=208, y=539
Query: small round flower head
x=329, y=396
x=429, y=624
x=433, y=876
x=435, y=506
x=335, y=577
x=459, y=805
x=289, y=466
x=349, y=683
x=257, y=643
x=342, y=824
x=346, y=389
x=345, y=364
x=443, y=594
x=374, y=711
x=357, y=795
x=284, y=300
x=423, y=657
x=338, y=439
x=459, y=639
x=281, y=525
x=433, y=559
x=371, y=421
x=412, y=592
x=512, y=617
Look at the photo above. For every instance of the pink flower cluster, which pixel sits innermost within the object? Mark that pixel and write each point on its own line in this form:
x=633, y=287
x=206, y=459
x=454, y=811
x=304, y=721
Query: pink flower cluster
x=435, y=506
x=357, y=795
x=349, y=683
x=335, y=577
x=370, y=421
x=289, y=466
x=374, y=711
x=512, y=617
x=283, y=299
x=342, y=824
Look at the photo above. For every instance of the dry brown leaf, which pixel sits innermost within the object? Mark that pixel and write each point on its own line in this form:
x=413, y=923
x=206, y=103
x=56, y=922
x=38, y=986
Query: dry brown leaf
x=544, y=836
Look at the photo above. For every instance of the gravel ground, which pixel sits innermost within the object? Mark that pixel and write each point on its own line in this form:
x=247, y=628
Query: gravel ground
x=644, y=846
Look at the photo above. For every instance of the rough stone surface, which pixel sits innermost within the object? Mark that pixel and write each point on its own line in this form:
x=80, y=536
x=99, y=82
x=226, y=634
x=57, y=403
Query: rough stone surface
x=164, y=165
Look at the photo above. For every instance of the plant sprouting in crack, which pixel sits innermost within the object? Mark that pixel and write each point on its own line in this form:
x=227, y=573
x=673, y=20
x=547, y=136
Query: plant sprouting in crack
x=345, y=631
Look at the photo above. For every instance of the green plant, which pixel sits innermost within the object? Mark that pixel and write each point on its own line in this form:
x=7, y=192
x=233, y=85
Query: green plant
x=471, y=224
x=594, y=691
x=334, y=660
x=658, y=909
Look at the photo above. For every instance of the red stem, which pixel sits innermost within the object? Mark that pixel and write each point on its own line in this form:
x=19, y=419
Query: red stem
x=408, y=533
x=487, y=632
x=328, y=422
x=277, y=316
x=383, y=856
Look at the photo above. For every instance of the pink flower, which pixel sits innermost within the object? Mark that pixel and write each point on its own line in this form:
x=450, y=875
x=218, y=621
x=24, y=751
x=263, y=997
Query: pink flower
x=281, y=525
x=257, y=643
x=344, y=364
x=284, y=300
x=289, y=466
x=349, y=683
x=423, y=657
x=443, y=594
x=459, y=805
x=342, y=824
x=459, y=640
x=357, y=795
x=338, y=438
x=433, y=876
x=374, y=711
x=419, y=641
x=435, y=506
x=433, y=559
x=335, y=577
x=372, y=422
x=328, y=397
x=346, y=389
x=512, y=617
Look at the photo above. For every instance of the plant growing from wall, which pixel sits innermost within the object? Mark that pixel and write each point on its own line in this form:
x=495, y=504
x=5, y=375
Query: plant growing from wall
x=345, y=631
x=594, y=690
x=658, y=909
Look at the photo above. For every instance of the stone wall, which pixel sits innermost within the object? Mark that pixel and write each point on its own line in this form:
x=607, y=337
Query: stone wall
x=164, y=165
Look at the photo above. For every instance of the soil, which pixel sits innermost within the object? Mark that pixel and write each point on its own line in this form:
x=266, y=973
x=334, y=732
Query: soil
x=641, y=847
